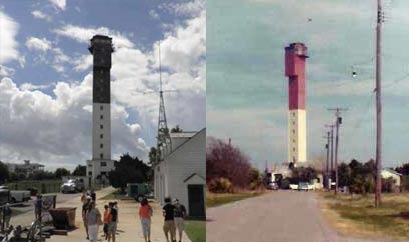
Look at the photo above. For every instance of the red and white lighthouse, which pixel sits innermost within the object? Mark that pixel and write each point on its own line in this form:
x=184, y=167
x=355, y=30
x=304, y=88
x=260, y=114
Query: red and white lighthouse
x=295, y=55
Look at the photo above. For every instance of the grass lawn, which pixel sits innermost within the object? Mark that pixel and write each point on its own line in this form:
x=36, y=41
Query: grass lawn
x=217, y=199
x=358, y=216
x=196, y=230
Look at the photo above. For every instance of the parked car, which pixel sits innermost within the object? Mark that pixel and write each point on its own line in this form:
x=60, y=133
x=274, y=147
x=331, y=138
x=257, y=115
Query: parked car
x=72, y=185
x=303, y=186
x=272, y=186
x=16, y=196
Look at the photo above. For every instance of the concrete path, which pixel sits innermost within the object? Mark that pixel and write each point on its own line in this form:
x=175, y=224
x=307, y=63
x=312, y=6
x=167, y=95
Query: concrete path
x=282, y=216
x=129, y=228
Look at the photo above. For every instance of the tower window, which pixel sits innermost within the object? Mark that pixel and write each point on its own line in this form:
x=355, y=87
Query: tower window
x=101, y=145
x=90, y=173
x=293, y=130
x=101, y=156
x=101, y=107
x=101, y=117
x=101, y=136
x=103, y=163
x=294, y=149
x=101, y=126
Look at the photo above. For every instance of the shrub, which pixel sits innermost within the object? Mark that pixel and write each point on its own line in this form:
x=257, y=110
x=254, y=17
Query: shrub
x=220, y=185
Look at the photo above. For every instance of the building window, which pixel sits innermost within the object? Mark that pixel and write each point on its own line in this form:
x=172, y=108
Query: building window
x=101, y=145
x=294, y=149
x=103, y=173
x=293, y=123
x=101, y=117
x=103, y=163
x=102, y=107
x=90, y=173
x=293, y=140
x=101, y=136
x=101, y=156
x=101, y=126
x=294, y=131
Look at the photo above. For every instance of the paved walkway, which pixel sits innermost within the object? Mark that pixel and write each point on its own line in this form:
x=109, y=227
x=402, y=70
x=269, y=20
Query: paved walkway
x=284, y=216
x=129, y=228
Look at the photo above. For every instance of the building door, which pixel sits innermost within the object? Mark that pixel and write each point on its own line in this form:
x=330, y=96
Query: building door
x=196, y=201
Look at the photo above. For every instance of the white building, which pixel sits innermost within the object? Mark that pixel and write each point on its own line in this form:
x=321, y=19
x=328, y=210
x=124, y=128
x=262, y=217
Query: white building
x=182, y=173
x=101, y=163
x=386, y=173
x=27, y=168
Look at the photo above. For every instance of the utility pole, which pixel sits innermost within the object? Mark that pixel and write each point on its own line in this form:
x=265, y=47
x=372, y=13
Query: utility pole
x=327, y=164
x=378, y=186
x=338, y=121
x=331, y=144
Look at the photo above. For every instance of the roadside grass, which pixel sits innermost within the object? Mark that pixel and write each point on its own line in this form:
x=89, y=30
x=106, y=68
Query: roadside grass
x=358, y=217
x=217, y=199
x=196, y=230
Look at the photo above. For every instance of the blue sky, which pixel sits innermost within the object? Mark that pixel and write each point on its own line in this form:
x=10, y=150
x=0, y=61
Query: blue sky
x=247, y=90
x=46, y=74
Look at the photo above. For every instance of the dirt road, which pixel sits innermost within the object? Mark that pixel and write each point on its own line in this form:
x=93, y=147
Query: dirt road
x=282, y=216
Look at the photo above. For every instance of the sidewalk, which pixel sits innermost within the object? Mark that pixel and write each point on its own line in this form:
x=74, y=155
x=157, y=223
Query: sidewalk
x=129, y=227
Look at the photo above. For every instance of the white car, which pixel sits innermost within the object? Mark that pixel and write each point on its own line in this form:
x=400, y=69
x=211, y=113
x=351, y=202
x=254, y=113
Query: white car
x=72, y=185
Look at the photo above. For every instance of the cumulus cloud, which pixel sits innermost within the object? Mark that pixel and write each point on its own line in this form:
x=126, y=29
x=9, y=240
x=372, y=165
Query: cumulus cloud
x=191, y=8
x=60, y=4
x=57, y=129
x=8, y=43
x=40, y=15
x=34, y=43
x=83, y=35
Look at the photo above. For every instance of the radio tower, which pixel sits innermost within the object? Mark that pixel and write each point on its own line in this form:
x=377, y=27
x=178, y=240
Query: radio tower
x=163, y=140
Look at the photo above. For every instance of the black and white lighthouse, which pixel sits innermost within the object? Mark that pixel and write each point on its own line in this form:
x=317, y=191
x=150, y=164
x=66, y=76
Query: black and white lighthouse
x=97, y=169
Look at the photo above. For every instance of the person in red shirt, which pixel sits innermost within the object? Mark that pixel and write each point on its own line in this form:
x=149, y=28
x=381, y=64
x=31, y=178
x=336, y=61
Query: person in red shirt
x=145, y=214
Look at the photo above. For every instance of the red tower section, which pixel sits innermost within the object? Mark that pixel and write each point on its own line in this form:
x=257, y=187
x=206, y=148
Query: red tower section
x=295, y=55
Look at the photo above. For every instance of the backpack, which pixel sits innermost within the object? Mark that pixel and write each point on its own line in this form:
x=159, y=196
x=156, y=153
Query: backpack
x=114, y=214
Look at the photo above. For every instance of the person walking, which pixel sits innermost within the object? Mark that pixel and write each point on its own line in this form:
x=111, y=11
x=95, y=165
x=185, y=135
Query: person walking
x=145, y=213
x=169, y=225
x=113, y=224
x=107, y=220
x=38, y=205
x=180, y=216
x=7, y=215
x=93, y=221
x=85, y=207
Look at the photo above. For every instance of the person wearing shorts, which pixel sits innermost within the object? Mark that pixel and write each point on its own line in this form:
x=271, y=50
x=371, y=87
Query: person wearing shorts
x=113, y=224
x=169, y=225
x=145, y=213
x=180, y=215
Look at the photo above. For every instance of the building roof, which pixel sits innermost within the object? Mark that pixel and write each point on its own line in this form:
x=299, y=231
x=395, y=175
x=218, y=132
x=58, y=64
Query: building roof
x=184, y=143
x=391, y=171
x=190, y=177
x=189, y=134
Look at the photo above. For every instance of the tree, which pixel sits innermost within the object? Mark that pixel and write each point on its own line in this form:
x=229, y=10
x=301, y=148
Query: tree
x=176, y=129
x=4, y=172
x=404, y=169
x=344, y=175
x=41, y=175
x=80, y=171
x=128, y=170
x=152, y=156
x=226, y=161
x=60, y=172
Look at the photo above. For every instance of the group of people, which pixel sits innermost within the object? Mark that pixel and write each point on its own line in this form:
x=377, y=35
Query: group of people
x=174, y=214
x=92, y=218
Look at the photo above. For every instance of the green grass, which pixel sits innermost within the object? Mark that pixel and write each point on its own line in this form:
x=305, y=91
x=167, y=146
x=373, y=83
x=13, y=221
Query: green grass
x=196, y=230
x=359, y=217
x=217, y=199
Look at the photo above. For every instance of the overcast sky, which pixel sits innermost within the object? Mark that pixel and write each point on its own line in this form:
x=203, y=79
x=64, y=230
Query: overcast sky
x=46, y=75
x=247, y=96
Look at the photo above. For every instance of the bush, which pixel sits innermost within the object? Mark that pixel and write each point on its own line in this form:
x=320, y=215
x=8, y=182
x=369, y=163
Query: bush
x=220, y=185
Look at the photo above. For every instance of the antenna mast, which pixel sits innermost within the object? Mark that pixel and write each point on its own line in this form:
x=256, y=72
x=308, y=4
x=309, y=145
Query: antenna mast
x=164, y=143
